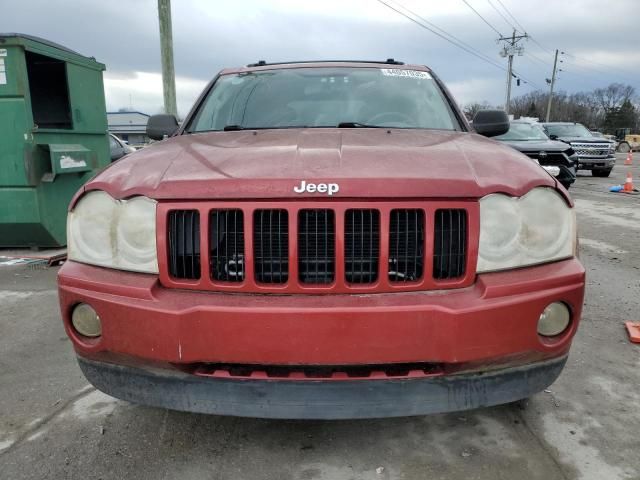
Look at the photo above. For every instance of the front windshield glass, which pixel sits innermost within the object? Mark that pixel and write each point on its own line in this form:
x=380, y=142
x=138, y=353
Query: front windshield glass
x=325, y=97
x=575, y=130
x=524, y=132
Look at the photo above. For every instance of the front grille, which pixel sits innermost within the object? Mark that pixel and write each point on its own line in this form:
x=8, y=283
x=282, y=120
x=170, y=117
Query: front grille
x=289, y=247
x=316, y=246
x=450, y=244
x=183, y=238
x=591, y=149
x=361, y=245
x=226, y=244
x=271, y=246
x=406, y=245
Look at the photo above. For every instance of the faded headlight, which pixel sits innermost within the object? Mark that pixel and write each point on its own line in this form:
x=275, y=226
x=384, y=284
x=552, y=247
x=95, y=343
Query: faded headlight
x=514, y=232
x=113, y=233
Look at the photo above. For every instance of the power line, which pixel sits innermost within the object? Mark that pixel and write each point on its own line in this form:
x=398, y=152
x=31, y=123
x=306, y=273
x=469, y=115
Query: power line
x=483, y=19
x=456, y=42
x=445, y=36
x=542, y=47
x=444, y=32
x=626, y=72
x=537, y=59
x=514, y=18
x=502, y=15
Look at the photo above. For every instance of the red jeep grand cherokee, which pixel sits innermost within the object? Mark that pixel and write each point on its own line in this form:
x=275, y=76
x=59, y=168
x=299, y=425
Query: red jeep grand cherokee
x=323, y=240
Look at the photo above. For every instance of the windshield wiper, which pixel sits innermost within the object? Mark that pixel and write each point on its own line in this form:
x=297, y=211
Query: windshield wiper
x=357, y=125
x=230, y=128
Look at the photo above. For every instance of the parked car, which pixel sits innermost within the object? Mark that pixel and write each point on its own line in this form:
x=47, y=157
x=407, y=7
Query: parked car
x=323, y=240
x=556, y=157
x=119, y=148
x=594, y=153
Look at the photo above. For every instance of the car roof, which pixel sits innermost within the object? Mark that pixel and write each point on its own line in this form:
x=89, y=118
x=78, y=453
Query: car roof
x=262, y=65
x=561, y=123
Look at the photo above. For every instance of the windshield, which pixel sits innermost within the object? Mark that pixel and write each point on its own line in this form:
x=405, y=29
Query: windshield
x=523, y=131
x=575, y=130
x=325, y=97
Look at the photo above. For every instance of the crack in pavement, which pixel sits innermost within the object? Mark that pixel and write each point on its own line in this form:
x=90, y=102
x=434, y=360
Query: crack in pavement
x=47, y=418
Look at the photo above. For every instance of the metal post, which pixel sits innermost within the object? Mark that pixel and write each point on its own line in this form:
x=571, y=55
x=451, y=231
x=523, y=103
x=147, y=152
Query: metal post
x=553, y=81
x=166, y=54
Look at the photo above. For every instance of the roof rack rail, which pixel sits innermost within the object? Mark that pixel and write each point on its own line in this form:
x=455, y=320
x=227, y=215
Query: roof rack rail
x=262, y=63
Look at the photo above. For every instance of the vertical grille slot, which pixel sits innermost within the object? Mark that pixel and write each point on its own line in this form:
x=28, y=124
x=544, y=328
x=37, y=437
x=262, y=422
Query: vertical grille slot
x=316, y=246
x=361, y=245
x=406, y=245
x=271, y=246
x=226, y=244
x=450, y=249
x=184, y=244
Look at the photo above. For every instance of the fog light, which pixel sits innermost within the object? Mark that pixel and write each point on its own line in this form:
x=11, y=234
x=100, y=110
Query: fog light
x=86, y=321
x=554, y=319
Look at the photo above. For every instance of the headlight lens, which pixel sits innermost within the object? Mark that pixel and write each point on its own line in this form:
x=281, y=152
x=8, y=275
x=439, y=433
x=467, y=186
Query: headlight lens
x=514, y=232
x=114, y=233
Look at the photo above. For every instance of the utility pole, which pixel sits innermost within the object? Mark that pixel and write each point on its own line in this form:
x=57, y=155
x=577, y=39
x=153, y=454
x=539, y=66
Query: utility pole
x=552, y=82
x=509, y=50
x=166, y=54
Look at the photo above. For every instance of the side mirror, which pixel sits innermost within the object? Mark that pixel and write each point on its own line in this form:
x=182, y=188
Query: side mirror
x=161, y=125
x=553, y=137
x=491, y=123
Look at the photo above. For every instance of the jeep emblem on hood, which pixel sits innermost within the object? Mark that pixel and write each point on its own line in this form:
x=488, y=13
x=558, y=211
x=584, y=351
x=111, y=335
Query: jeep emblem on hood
x=328, y=188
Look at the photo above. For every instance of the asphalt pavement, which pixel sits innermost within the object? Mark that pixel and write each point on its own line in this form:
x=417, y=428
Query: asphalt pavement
x=53, y=425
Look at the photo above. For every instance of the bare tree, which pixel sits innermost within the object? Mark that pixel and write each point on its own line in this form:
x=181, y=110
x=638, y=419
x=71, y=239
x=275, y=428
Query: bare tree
x=613, y=96
x=472, y=108
x=598, y=109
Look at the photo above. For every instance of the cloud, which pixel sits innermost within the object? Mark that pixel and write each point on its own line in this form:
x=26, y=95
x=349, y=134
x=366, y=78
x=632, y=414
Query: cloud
x=209, y=35
x=142, y=91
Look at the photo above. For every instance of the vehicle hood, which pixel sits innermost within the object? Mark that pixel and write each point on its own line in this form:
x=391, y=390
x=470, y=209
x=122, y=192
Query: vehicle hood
x=369, y=163
x=537, y=145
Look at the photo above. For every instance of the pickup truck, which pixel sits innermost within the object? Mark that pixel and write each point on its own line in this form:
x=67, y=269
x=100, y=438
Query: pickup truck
x=594, y=153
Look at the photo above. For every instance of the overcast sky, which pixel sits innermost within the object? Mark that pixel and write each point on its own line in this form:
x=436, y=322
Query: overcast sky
x=602, y=37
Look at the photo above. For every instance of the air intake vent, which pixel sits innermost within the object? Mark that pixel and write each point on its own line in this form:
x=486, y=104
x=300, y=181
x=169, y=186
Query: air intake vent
x=450, y=239
x=316, y=246
x=226, y=238
x=361, y=245
x=406, y=245
x=184, y=244
x=271, y=246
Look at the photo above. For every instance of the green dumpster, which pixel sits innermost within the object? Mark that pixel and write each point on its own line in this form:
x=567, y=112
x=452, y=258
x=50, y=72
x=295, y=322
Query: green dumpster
x=53, y=136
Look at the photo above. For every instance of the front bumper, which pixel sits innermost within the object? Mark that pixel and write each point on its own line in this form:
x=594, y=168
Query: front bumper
x=320, y=400
x=589, y=163
x=488, y=327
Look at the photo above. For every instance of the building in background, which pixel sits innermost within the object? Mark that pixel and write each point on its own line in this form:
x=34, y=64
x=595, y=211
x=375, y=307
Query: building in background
x=129, y=126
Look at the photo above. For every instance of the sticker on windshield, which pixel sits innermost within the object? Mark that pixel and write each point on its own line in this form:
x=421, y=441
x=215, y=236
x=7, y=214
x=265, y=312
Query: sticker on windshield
x=394, y=72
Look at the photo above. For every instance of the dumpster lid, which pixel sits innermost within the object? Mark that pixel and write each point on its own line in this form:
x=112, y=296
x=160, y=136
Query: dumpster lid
x=49, y=48
x=33, y=38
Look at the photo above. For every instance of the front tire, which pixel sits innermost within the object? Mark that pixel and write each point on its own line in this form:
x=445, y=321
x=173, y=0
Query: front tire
x=601, y=173
x=624, y=147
